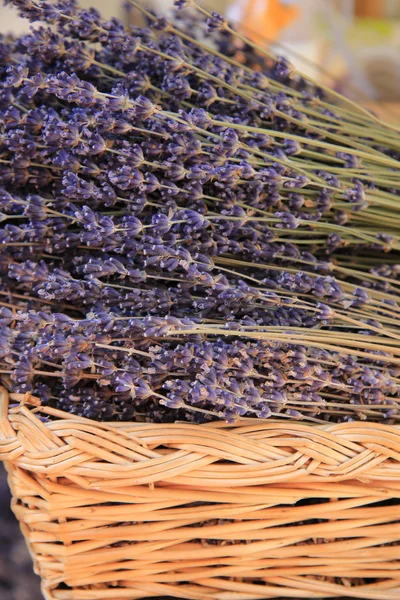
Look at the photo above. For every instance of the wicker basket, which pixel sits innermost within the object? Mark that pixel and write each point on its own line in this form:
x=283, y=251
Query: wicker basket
x=131, y=510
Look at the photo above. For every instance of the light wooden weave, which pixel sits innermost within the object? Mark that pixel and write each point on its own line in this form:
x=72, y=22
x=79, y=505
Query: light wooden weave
x=132, y=510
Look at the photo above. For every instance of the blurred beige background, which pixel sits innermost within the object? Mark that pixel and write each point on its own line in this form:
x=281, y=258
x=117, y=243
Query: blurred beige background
x=352, y=45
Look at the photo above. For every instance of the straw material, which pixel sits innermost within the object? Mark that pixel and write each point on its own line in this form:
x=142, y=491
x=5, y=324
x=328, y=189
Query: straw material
x=256, y=510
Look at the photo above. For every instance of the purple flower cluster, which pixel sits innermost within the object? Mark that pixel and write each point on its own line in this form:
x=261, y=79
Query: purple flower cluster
x=154, y=373
x=186, y=235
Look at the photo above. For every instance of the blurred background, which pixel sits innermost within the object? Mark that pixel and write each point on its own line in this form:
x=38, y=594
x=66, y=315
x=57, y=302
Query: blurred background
x=351, y=45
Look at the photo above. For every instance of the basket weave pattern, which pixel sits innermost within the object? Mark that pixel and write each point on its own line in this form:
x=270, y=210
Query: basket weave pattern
x=132, y=510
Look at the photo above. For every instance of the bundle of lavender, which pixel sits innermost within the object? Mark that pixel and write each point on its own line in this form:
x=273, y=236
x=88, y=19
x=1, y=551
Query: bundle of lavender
x=184, y=237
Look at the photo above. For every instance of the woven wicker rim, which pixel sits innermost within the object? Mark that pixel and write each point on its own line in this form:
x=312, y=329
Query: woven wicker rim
x=252, y=452
x=65, y=472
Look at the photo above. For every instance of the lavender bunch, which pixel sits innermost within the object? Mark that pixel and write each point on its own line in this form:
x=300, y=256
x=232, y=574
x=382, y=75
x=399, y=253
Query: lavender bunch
x=185, y=237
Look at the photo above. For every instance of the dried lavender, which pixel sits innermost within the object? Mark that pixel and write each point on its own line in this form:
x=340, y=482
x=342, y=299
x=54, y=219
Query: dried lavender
x=185, y=237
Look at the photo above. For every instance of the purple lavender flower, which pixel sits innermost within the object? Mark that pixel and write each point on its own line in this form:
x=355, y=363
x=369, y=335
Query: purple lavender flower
x=187, y=233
